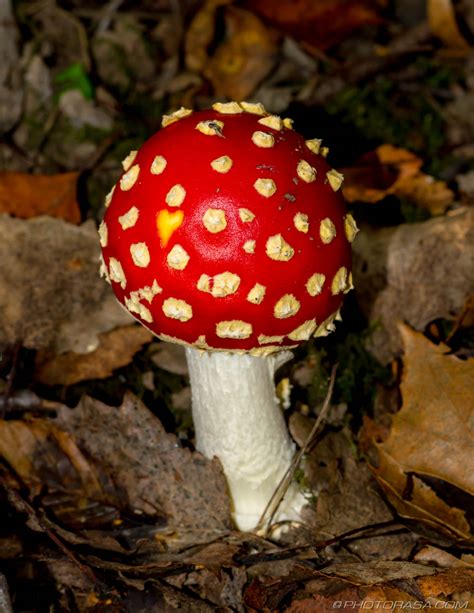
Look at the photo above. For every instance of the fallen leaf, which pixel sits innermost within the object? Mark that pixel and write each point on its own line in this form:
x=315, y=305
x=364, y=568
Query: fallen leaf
x=244, y=57
x=439, y=557
x=323, y=23
x=430, y=436
x=337, y=586
x=51, y=294
x=200, y=34
x=348, y=498
x=116, y=349
x=391, y=170
x=415, y=273
x=442, y=21
x=447, y=583
x=377, y=571
x=27, y=196
x=48, y=461
x=95, y=463
x=149, y=464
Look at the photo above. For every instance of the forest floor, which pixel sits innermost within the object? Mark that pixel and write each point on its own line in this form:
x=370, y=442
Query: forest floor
x=104, y=503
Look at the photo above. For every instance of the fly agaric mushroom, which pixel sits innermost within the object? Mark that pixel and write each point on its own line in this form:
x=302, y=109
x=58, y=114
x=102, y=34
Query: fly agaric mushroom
x=227, y=233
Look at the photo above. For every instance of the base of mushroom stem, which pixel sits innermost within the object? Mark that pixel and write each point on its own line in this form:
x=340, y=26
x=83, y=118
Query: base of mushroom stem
x=289, y=511
x=237, y=418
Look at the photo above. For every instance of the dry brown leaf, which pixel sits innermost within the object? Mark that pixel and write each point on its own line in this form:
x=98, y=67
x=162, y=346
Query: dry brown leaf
x=245, y=56
x=94, y=463
x=446, y=583
x=51, y=294
x=116, y=349
x=430, y=436
x=323, y=23
x=415, y=273
x=200, y=33
x=423, y=504
x=27, y=196
x=154, y=471
x=348, y=496
x=48, y=460
x=439, y=557
x=442, y=21
x=391, y=170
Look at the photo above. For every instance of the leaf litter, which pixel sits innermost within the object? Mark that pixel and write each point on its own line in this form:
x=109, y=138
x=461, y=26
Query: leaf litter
x=106, y=506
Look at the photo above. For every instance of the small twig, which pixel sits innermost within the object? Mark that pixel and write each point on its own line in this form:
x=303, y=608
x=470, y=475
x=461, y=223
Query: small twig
x=289, y=552
x=281, y=489
x=468, y=306
x=32, y=514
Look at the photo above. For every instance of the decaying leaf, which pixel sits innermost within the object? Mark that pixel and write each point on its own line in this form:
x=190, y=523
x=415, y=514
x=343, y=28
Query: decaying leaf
x=376, y=585
x=323, y=23
x=431, y=436
x=94, y=463
x=116, y=349
x=245, y=56
x=45, y=456
x=51, y=295
x=439, y=557
x=415, y=273
x=442, y=20
x=200, y=34
x=347, y=497
x=27, y=196
x=391, y=170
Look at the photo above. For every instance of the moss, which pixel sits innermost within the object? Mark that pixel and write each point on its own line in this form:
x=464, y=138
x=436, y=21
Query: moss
x=358, y=372
x=408, y=117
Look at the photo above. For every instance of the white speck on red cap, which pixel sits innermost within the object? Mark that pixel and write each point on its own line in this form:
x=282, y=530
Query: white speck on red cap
x=158, y=165
x=129, y=179
x=129, y=219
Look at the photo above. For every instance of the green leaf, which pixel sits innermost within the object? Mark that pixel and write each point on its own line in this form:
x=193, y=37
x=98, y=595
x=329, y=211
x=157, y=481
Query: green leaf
x=74, y=77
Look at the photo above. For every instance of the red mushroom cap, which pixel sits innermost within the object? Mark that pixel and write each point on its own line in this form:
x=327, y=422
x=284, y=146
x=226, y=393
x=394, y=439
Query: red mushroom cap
x=227, y=231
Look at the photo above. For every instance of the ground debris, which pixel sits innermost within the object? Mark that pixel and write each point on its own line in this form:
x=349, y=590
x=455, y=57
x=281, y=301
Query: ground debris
x=398, y=280
x=429, y=440
x=71, y=304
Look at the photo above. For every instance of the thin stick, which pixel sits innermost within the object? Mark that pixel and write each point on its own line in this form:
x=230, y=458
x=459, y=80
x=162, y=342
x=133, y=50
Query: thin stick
x=289, y=552
x=25, y=506
x=281, y=489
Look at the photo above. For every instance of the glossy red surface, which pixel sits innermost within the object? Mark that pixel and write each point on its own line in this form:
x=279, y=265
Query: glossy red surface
x=189, y=153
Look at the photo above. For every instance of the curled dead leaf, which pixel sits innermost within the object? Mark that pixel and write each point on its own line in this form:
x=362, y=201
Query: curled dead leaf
x=415, y=273
x=391, y=170
x=245, y=56
x=321, y=24
x=116, y=349
x=200, y=33
x=430, y=437
x=95, y=463
x=442, y=21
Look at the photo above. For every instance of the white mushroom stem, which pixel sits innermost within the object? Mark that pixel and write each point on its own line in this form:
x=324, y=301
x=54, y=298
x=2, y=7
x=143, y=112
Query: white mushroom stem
x=237, y=418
